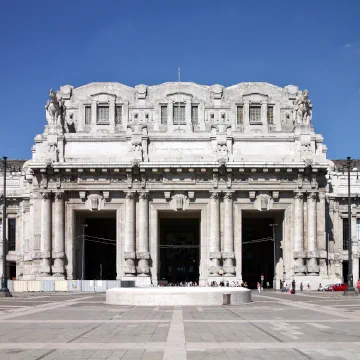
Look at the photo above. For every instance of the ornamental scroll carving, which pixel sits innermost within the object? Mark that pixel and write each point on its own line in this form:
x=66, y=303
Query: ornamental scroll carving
x=95, y=202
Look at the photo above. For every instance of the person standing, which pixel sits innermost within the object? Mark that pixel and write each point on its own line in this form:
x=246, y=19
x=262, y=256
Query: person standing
x=301, y=286
x=259, y=287
x=293, y=285
x=357, y=287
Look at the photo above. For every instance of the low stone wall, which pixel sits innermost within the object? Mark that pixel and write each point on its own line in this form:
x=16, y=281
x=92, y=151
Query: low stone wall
x=66, y=285
x=170, y=296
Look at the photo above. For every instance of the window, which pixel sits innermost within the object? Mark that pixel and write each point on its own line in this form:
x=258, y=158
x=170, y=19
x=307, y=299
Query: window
x=239, y=115
x=163, y=114
x=103, y=115
x=118, y=114
x=179, y=114
x=345, y=234
x=11, y=234
x=358, y=229
x=255, y=114
x=87, y=115
x=270, y=115
x=195, y=114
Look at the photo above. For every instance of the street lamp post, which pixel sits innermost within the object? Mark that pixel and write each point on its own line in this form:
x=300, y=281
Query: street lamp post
x=350, y=282
x=83, y=251
x=274, y=238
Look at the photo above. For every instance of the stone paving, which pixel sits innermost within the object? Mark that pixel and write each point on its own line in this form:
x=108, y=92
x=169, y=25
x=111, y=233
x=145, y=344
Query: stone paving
x=307, y=325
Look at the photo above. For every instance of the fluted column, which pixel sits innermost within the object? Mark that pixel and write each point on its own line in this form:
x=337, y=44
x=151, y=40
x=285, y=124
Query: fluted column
x=312, y=266
x=143, y=252
x=355, y=249
x=299, y=233
x=215, y=254
x=129, y=244
x=228, y=254
x=58, y=249
x=45, y=244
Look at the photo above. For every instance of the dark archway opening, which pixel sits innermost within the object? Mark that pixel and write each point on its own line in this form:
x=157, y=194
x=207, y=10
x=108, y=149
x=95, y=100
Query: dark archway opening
x=100, y=248
x=258, y=256
x=179, y=249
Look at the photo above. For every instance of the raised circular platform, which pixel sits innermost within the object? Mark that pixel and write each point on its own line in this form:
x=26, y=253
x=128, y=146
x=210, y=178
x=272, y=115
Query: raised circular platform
x=168, y=296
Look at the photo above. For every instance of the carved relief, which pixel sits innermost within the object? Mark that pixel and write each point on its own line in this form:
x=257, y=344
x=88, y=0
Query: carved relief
x=263, y=202
x=94, y=202
x=306, y=153
x=179, y=202
x=53, y=152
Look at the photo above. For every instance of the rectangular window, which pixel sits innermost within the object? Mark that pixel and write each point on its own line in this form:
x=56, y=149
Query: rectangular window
x=163, y=114
x=103, y=115
x=345, y=234
x=179, y=114
x=118, y=114
x=195, y=114
x=87, y=115
x=12, y=234
x=358, y=229
x=270, y=115
x=255, y=114
x=239, y=115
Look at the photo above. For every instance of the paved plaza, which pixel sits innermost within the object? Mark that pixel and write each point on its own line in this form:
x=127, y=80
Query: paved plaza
x=53, y=326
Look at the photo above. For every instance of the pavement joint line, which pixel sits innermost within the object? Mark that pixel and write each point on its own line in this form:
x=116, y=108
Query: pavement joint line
x=175, y=345
x=84, y=321
x=40, y=308
x=190, y=346
x=318, y=308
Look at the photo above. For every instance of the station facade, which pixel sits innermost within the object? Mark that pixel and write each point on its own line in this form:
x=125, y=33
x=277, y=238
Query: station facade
x=177, y=182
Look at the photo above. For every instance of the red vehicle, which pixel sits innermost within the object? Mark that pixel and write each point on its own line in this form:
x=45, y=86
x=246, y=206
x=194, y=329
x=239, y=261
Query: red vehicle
x=338, y=287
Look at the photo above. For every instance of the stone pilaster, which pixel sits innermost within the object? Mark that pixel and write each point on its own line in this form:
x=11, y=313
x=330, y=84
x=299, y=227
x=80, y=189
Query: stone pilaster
x=298, y=245
x=322, y=251
x=58, y=249
x=215, y=254
x=129, y=244
x=45, y=244
x=143, y=252
x=312, y=267
x=228, y=254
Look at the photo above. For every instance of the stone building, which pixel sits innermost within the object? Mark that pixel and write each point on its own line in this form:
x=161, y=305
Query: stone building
x=175, y=182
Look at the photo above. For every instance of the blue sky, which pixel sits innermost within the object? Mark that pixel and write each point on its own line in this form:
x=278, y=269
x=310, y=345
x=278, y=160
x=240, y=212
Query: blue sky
x=313, y=44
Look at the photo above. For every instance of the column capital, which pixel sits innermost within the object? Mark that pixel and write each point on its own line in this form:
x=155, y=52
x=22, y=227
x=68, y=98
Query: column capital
x=130, y=195
x=228, y=195
x=59, y=195
x=46, y=195
x=298, y=195
x=143, y=195
x=312, y=195
x=214, y=195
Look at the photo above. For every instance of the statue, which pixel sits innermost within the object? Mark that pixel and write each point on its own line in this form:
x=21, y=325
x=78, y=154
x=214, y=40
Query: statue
x=303, y=108
x=55, y=109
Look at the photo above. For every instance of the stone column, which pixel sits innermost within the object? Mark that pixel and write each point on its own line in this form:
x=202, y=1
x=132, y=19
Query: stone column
x=322, y=251
x=93, y=112
x=299, y=255
x=45, y=244
x=58, y=249
x=129, y=243
x=215, y=254
x=143, y=252
x=112, y=115
x=228, y=254
x=312, y=267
